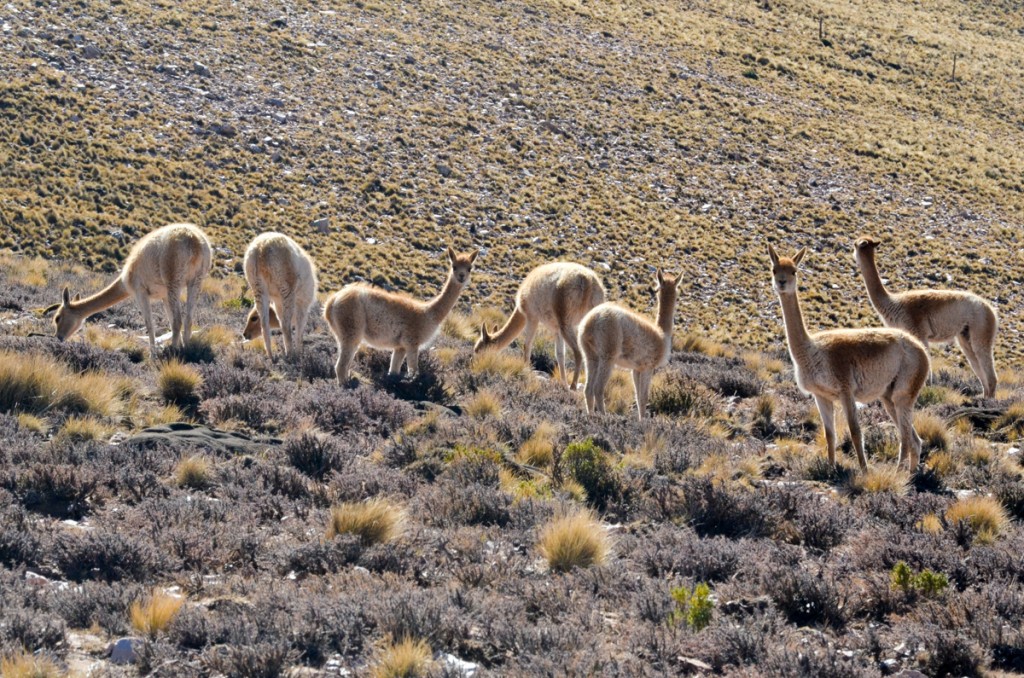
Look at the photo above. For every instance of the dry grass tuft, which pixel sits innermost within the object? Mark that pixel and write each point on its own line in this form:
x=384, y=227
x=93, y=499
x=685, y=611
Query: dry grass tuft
x=504, y=364
x=25, y=665
x=458, y=326
x=539, y=449
x=408, y=658
x=194, y=472
x=930, y=524
x=112, y=340
x=177, y=383
x=31, y=422
x=374, y=521
x=81, y=429
x=483, y=404
x=985, y=515
x=932, y=430
x=1011, y=422
x=154, y=614
x=36, y=384
x=578, y=540
x=885, y=478
x=943, y=463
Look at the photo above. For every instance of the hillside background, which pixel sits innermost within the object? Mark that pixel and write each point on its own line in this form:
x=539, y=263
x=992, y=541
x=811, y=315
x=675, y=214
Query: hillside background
x=620, y=135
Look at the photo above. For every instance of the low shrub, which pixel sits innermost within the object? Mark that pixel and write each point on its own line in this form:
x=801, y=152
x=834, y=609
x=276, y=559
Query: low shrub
x=314, y=453
x=587, y=464
x=675, y=394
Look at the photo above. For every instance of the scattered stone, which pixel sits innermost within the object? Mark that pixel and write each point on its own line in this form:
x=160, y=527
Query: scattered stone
x=910, y=673
x=188, y=436
x=280, y=117
x=91, y=52
x=410, y=60
x=169, y=69
x=322, y=225
x=225, y=130
x=275, y=102
x=201, y=69
x=888, y=666
x=123, y=650
x=453, y=663
x=694, y=664
x=280, y=22
x=444, y=170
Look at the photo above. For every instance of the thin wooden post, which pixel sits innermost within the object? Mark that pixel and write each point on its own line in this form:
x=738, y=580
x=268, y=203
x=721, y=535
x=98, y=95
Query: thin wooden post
x=953, y=77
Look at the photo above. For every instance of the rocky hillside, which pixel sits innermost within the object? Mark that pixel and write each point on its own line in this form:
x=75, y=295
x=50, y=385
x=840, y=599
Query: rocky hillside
x=620, y=135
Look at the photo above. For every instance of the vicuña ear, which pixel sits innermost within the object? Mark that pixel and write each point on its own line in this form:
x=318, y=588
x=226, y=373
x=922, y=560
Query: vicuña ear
x=483, y=333
x=49, y=309
x=799, y=255
x=78, y=297
x=660, y=277
x=66, y=295
x=451, y=254
x=773, y=254
x=473, y=256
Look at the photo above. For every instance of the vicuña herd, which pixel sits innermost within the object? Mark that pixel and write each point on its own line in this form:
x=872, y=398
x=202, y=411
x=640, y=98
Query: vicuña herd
x=844, y=366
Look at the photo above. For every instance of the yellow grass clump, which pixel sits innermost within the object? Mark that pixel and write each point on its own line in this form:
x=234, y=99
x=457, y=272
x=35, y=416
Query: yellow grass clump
x=80, y=429
x=31, y=422
x=458, y=326
x=1011, y=422
x=882, y=478
x=504, y=364
x=578, y=540
x=932, y=431
x=930, y=524
x=483, y=404
x=36, y=384
x=408, y=658
x=985, y=516
x=25, y=665
x=375, y=521
x=943, y=463
x=539, y=448
x=177, y=382
x=155, y=613
x=193, y=472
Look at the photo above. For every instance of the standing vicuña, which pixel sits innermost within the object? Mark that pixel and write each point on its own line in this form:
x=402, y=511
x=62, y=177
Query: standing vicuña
x=935, y=316
x=611, y=335
x=359, y=313
x=160, y=266
x=282, y=278
x=851, y=366
x=555, y=295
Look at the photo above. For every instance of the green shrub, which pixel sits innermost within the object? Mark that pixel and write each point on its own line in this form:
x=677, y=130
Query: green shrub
x=587, y=464
x=693, y=607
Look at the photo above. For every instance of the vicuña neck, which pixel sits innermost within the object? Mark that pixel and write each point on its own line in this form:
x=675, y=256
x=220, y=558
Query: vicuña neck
x=440, y=306
x=796, y=334
x=114, y=293
x=513, y=327
x=666, y=314
x=877, y=293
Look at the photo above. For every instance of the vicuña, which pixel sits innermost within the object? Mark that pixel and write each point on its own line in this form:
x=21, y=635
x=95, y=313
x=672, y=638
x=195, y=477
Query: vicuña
x=162, y=265
x=850, y=366
x=282, y=278
x=557, y=296
x=359, y=313
x=938, y=316
x=611, y=336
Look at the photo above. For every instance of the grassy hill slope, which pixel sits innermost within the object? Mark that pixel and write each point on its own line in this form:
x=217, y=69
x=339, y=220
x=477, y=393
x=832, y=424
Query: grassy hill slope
x=622, y=135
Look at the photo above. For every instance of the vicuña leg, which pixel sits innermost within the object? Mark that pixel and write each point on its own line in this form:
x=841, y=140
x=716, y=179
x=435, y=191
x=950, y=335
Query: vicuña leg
x=641, y=389
x=528, y=334
x=569, y=333
x=191, y=297
x=397, y=358
x=345, y=354
x=147, y=313
x=173, y=302
x=602, y=373
x=910, y=442
x=412, y=360
x=826, y=410
x=856, y=436
x=263, y=303
x=561, y=374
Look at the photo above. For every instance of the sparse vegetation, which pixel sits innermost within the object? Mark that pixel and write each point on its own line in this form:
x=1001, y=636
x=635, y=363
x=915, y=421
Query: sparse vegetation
x=193, y=472
x=25, y=665
x=407, y=658
x=985, y=516
x=178, y=383
x=36, y=384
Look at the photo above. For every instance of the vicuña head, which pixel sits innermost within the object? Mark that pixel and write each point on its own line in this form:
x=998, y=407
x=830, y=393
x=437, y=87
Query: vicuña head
x=253, y=327
x=935, y=316
x=556, y=295
x=850, y=366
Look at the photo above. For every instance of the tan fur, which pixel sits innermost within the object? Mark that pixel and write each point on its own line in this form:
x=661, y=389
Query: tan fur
x=557, y=296
x=851, y=366
x=611, y=336
x=282, y=278
x=360, y=314
x=161, y=265
x=938, y=316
